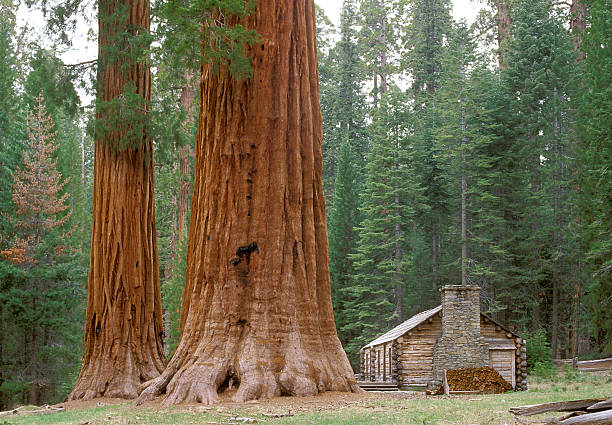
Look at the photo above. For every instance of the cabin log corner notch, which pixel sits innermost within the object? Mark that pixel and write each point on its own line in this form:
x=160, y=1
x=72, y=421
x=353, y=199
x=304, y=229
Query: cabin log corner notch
x=407, y=354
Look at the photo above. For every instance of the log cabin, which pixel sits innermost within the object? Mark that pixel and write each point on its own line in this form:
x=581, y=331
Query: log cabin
x=452, y=335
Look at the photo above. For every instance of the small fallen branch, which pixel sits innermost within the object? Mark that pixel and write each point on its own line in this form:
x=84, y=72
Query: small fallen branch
x=45, y=410
x=277, y=415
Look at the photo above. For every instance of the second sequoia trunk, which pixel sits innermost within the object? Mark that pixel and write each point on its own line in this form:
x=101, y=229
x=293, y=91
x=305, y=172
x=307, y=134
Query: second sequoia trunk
x=123, y=330
x=257, y=314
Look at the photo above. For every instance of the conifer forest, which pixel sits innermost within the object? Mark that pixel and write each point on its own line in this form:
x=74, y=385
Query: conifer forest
x=246, y=193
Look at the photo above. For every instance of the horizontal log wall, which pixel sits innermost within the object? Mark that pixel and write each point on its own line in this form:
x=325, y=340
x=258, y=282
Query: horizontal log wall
x=408, y=360
x=416, y=355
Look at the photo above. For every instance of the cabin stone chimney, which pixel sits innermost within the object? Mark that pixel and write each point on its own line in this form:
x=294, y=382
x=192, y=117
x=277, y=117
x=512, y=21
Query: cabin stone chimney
x=461, y=344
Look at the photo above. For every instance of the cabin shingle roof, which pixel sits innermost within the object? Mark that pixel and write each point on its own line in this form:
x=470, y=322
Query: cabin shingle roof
x=404, y=327
x=416, y=320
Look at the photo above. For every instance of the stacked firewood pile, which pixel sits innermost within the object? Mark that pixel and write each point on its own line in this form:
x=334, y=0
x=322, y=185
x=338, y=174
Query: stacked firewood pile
x=577, y=412
x=473, y=380
x=482, y=379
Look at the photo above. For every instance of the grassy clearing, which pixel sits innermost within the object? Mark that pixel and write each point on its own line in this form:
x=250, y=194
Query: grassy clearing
x=367, y=410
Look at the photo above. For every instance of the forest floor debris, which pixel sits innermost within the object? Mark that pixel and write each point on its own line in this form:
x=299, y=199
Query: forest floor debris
x=401, y=408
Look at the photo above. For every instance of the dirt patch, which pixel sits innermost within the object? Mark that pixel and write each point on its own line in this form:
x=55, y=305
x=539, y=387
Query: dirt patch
x=326, y=401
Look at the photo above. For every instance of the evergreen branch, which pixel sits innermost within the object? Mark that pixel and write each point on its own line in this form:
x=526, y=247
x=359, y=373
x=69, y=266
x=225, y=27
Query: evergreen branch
x=84, y=65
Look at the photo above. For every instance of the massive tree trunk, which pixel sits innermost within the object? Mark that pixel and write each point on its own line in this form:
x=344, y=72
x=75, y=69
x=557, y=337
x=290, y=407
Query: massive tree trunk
x=257, y=312
x=123, y=331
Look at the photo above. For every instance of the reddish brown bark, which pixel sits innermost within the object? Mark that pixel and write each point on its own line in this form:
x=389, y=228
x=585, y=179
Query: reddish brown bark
x=504, y=28
x=578, y=25
x=123, y=331
x=257, y=310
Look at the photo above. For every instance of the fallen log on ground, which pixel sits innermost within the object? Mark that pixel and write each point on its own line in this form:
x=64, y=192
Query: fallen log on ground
x=607, y=404
x=581, y=412
x=598, y=418
x=559, y=406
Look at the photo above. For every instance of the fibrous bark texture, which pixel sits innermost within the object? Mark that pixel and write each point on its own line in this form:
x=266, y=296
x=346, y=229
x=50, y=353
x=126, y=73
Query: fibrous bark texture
x=257, y=315
x=123, y=331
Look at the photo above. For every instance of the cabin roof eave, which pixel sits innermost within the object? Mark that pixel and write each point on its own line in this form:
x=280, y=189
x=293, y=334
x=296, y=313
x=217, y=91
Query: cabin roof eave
x=404, y=327
x=416, y=320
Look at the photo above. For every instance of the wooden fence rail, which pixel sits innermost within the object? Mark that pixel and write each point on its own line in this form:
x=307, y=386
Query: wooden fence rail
x=585, y=365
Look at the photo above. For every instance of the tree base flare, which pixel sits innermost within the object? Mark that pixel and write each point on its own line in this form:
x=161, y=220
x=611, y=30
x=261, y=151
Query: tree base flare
x=198, y=382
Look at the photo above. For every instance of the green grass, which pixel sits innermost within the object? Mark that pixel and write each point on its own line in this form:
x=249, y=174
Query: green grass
x=438, y=410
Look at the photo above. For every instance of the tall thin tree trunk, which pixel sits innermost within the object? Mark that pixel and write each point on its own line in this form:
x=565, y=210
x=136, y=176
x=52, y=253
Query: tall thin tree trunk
x=33, y=360
x=463, y=181
x=123, y=329
x=578, y=25
x=576, y=318
x=504, y=28
x=257, y=308
x=383, y=42
x=535, y=260
x=375, y=87
x=556, y=230
x=434, y=257
x=399, y=276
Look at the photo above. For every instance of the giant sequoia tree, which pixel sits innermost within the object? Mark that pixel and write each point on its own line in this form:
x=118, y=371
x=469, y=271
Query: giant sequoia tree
x=257, y=311
x=123, y=330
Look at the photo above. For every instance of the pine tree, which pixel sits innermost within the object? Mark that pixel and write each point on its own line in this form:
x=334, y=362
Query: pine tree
x=344, y=148
x=11, y=134
x=429, y=25
x=344, y=217
x=46, y=304
x=343, y=101
x=536, y=83
x=378, y=37
x=594, y=148
x=458, y=134
x=384, y=257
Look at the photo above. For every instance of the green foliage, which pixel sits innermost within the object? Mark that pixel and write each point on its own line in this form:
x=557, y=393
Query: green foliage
x=342, y=77
x=172, y=299
x=538, y=350
x=208, y=30
x=594, y=143
x=41, y=302
x=344, y=217
x=125, y=121
x=385, y=253
x=546, y=370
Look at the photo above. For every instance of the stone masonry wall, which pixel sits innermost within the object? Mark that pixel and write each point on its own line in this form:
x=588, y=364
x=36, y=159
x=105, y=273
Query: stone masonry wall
x=461, y=344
